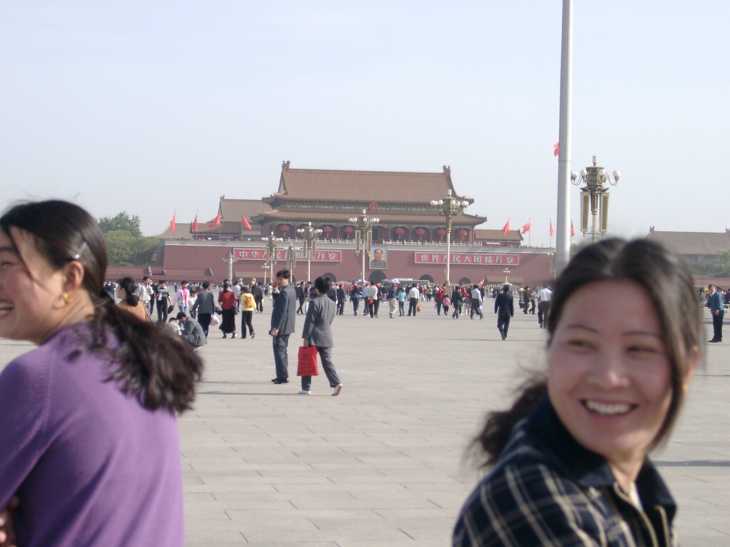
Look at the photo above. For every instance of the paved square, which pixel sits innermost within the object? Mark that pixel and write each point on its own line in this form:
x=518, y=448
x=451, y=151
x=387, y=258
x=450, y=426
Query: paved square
x=381, y=465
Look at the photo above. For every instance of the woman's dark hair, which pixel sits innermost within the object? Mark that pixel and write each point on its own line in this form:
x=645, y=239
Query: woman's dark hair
x=154, y=366
x=669, y=285
x=322, y=284
x=130, y=287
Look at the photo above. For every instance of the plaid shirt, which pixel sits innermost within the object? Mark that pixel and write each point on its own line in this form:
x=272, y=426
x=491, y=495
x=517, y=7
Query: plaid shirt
x=548, y=490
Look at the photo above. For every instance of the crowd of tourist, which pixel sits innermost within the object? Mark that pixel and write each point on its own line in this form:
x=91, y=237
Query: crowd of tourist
x=568, y=462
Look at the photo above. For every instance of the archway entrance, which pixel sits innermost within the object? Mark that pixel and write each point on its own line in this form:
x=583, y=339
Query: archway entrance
x=331, y=277
x=426, y=277
x=465, y=281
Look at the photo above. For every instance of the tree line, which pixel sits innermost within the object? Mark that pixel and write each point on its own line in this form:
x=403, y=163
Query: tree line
x=126, y=246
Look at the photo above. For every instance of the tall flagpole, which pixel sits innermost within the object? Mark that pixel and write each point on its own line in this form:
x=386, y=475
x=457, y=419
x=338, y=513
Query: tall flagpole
x=562, y=227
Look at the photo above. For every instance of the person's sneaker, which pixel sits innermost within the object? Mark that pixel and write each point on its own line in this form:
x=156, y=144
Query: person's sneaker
x=252, y=335
x=336, y=390
x=305, y=392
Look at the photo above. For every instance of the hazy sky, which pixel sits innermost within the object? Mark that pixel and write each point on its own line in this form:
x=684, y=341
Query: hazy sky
x=155, y=107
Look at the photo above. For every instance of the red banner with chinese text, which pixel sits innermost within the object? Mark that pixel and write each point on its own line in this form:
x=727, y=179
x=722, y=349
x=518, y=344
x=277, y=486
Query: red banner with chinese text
x=467, y=259
x=320, y=255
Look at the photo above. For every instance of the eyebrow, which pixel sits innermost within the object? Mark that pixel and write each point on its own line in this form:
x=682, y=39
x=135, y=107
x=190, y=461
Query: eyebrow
x=8, y=249
x=627, y=333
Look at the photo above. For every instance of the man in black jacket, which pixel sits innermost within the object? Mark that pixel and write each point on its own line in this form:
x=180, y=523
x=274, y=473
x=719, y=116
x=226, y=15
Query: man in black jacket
x=283, y=317
x=505, y=309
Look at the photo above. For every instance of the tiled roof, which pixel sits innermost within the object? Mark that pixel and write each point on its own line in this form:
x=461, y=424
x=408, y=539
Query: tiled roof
x=497, y=235
x=693, y=243
x=385, y=218
x=233, y=210
x=182, y=231
x=363, y=186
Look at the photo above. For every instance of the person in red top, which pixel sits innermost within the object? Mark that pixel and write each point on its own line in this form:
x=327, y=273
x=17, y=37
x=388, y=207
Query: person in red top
x=227, y=301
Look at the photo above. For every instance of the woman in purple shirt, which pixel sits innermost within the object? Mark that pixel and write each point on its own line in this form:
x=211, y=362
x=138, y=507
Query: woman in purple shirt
x=89, y=449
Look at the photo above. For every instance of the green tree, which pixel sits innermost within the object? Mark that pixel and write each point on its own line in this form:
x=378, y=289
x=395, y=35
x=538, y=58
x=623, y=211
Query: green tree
x=121, y=247
x=126, y=246
x=121, y=222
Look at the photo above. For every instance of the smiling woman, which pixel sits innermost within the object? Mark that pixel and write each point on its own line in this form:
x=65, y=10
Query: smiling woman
x=96, y=397
x=625, y=333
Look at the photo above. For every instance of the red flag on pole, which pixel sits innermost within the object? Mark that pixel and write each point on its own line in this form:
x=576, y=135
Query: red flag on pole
x=506, y=228
x=246, y=223
x=556, y=149
x=572, y=229
x=173, y=223
x=216, y=221
x=551, y=229
x=526, y=227
x=194, y=225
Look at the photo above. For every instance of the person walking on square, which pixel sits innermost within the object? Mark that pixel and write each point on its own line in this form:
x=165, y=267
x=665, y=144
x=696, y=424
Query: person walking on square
x=505, y=309
x=258, y=295
x=401, y=301
x=340, y=300
x=227, y=301
x=414, y=296
x=544, y=296
x=248, y=306
x=717, y=308
x=476, y=303
x=355, y=298
x=283, y=317
x=162, y=296
x=317, y=332
x=204, y=307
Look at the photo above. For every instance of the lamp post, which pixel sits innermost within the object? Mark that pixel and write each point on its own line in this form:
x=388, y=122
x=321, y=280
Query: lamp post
x=271, y=246
x=450, y=207
x=230, y=259
x=594, y=198
x=363, y=236
x=309, y=234
x=291, y=259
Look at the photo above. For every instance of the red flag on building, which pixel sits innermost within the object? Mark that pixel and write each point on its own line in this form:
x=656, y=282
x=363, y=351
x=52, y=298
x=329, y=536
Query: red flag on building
x=506, y=228
x=194, y=225
x=556, y=149
x=572, y=229
x=246, y=223
x=551, y=229
x=173, y=223
x=216, y=221
x=527, y=226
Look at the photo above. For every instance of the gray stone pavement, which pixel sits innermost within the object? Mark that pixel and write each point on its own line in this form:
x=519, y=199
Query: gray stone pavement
x=381, y=465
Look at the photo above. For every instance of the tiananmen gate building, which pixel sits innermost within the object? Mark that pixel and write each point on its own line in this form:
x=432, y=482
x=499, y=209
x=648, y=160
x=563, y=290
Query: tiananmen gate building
x=408, y=242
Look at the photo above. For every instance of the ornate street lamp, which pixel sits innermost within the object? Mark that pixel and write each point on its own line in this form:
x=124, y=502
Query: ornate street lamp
x=271, y=246
x=291, y=259
x=450, y=207
x=309, y=234
x=594, y=198
x=363, y=236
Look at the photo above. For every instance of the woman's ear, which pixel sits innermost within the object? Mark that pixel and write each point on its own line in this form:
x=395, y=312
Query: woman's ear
x=74, y=272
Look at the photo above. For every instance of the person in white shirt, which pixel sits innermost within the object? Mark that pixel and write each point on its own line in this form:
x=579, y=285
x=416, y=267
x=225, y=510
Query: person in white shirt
x=544, y=296
x=476, y=302
x=413, y=296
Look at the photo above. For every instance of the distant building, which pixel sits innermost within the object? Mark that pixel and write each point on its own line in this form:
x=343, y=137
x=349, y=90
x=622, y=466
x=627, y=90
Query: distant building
x=706, y=253
x=701, y=249
x=411, y=234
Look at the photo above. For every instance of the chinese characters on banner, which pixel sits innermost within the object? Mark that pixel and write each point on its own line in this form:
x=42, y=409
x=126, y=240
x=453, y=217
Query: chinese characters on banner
x=324, y=255
x=467, y=259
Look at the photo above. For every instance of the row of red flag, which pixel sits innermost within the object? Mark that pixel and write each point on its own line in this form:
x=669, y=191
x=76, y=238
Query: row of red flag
x=245, y=222
x=527, y=227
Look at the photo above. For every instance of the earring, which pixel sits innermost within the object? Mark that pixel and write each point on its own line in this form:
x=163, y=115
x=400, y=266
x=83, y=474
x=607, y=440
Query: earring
x=65, y=298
